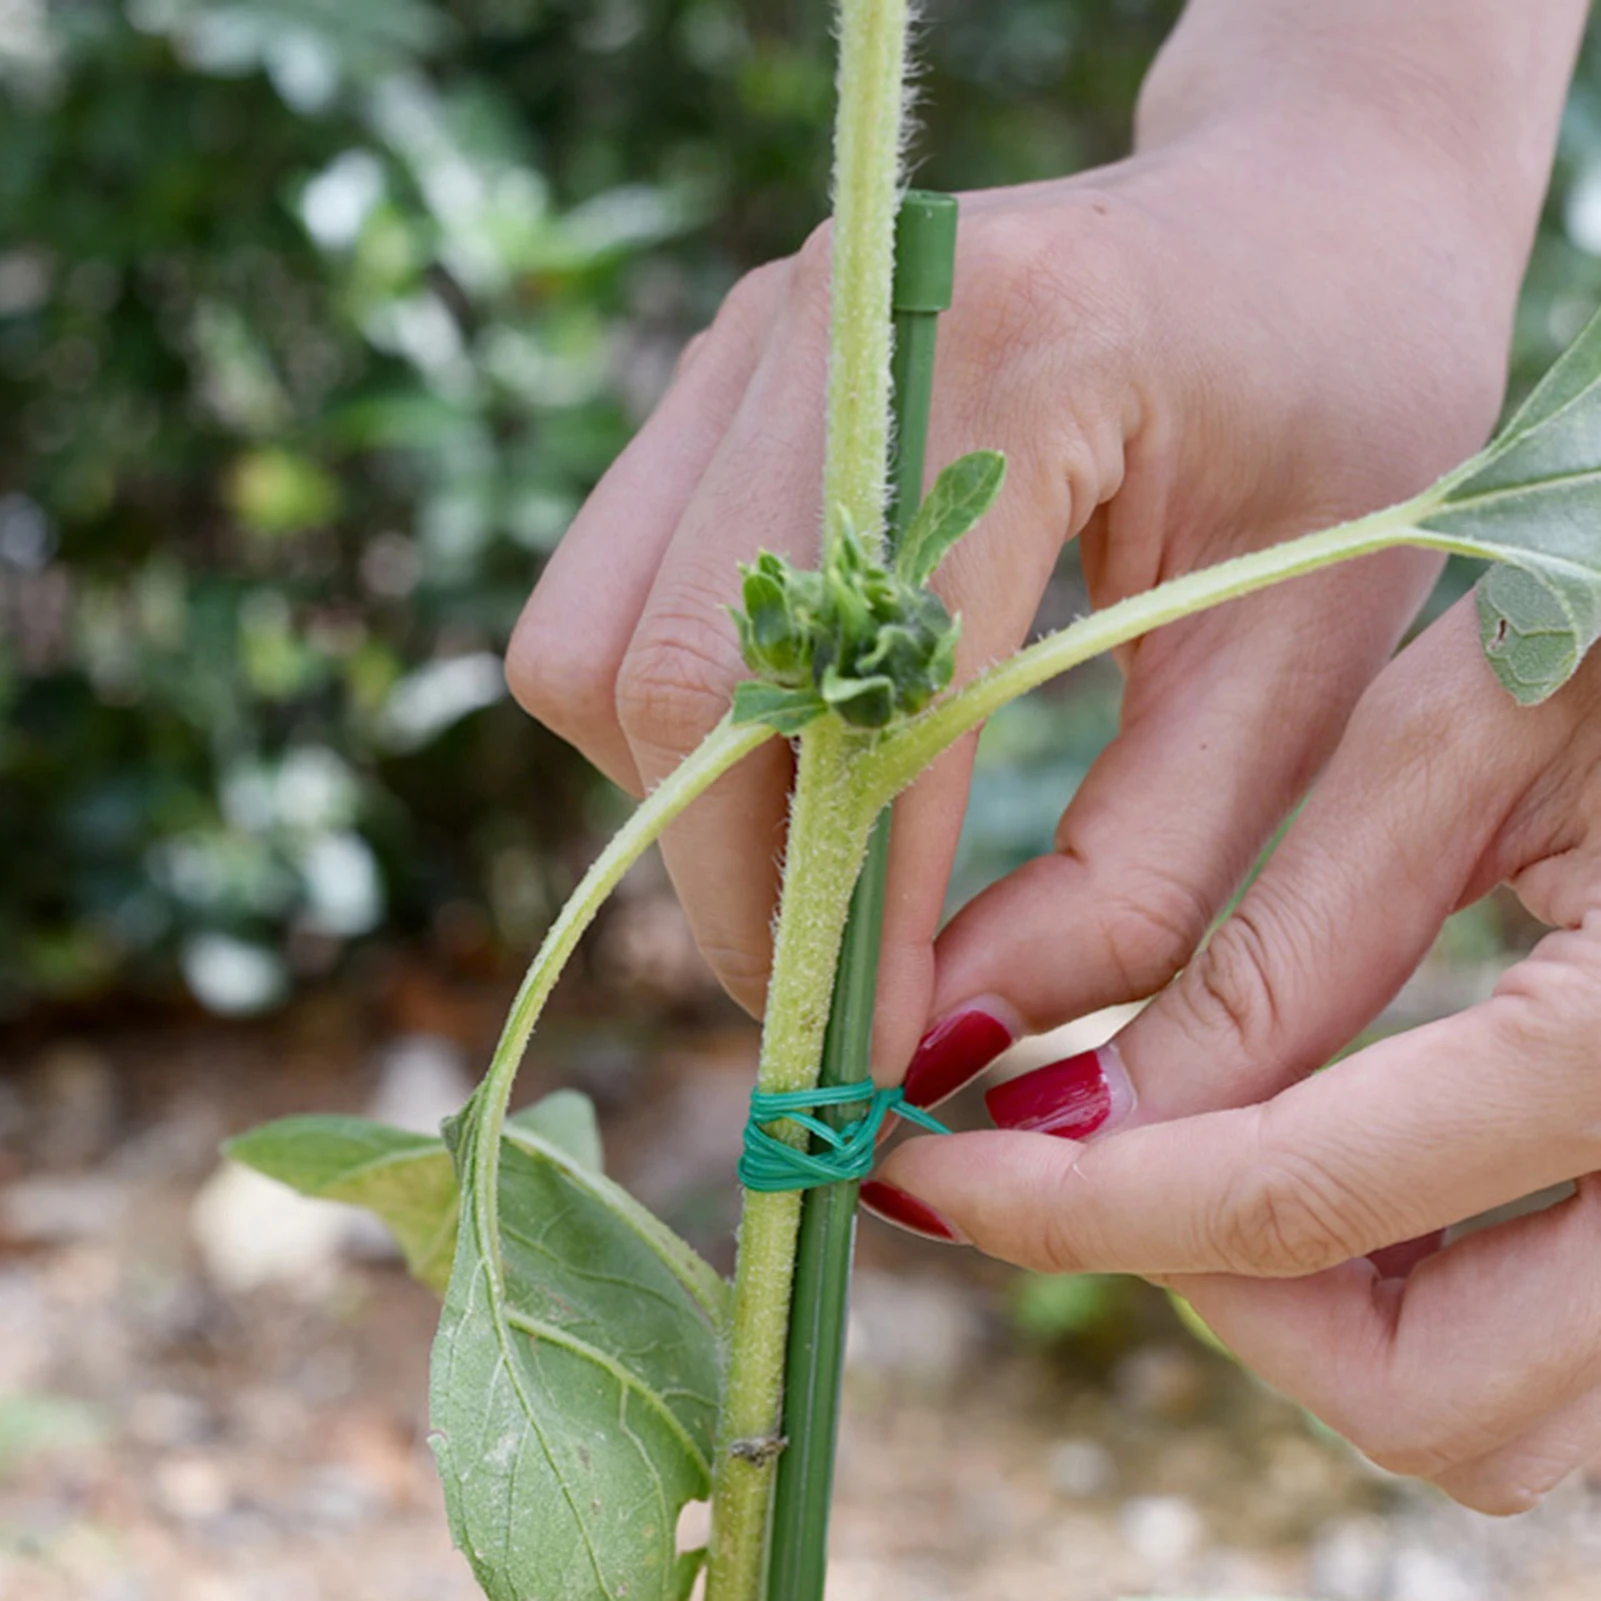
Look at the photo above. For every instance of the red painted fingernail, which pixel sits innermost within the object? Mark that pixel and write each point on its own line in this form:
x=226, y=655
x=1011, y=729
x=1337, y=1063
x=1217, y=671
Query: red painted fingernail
x=1071, y=1099
x=958, y=1048
x=907, y=1212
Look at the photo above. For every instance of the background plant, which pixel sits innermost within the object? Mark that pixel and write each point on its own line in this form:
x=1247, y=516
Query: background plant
x=293, y=422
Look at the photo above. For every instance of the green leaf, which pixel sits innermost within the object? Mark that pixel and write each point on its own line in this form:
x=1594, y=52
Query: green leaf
x=405, y=1178
x=575, y=1384
x=787, y=710
x=1533, y=500
x=961, y=495
x=409, y=1181
x=566, y=1119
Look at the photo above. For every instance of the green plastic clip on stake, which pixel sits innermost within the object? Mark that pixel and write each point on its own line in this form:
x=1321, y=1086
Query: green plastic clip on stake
x=925, y=261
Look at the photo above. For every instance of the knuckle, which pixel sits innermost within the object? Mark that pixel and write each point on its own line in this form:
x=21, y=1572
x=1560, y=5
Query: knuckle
x=1231, y=984
x=555, y=677
x=747, y=305
x=675, y=682
x=1397, y=1439
x=1051, y=1234
x=1499, y=1495
x=1042, y=284
x=812, y=264
x=1152, y=924
x=692, y=350
x=1286, y=1216
x=743, y=315
x=1404, y=1456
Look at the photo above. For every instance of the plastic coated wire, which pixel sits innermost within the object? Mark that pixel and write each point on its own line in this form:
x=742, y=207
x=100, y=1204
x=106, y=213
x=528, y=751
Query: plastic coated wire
x=769, y=1163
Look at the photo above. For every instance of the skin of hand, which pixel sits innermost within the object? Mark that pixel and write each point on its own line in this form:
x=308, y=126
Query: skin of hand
x=1478, y=1365
x=1254, y=327
x=1291, y=305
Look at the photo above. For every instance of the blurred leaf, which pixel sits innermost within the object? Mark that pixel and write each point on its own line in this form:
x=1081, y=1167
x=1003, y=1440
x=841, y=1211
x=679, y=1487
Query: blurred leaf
x=1054, y=1306
x=277, y=492
x=40, y=1425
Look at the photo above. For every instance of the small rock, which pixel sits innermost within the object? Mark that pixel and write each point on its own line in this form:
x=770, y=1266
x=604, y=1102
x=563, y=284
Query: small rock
x=190, y=1489
x=74, y=1094
x=253, y=1231
x=1164, y=1531
x=58, y=1209
x=422, y=1080
x=924, y=1329
x=1422, y=1573
x=1348, y=1562
x=161, y=1419
x=1081, y=1469
x=1161, y=1382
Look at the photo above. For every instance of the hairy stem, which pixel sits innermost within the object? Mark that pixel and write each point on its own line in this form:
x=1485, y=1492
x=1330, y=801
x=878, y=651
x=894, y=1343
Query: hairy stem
x=828, y=833
x=829, y=822
x=722, y=749
x=867, y=139
x=903, y=754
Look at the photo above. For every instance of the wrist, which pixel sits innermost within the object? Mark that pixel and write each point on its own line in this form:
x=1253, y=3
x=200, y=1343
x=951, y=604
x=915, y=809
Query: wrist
x=1460, y=96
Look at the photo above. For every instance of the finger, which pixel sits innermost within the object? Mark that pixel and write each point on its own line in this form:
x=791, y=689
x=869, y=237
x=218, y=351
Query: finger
x=1519, y=1475
x=569, y=644
x=1177, y=808
x=760, y=491
x=1412, y=1134
x=1396, y=834
x=1477, y=1372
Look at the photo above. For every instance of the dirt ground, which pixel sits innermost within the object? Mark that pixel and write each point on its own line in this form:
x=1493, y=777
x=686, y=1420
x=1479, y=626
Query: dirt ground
x=216, y=1401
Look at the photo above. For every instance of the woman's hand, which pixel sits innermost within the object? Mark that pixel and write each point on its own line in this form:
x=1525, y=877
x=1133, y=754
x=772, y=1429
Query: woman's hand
x=1481, y=1367
x=1258, y=326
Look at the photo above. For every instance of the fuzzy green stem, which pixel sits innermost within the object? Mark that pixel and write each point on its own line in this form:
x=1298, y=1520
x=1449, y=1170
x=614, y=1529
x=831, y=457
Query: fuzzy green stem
x=722, y=749
x=829, y=825
x=904, y=753
x=867, y=141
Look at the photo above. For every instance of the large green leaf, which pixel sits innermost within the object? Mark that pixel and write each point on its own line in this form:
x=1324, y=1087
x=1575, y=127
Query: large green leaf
x=576, y=1375
x=1532, y=500
x=408, y=1179
x=575, y=1384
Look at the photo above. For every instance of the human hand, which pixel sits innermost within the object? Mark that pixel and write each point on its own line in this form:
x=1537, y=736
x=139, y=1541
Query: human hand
x=1479, y=1369
x=1199, y=351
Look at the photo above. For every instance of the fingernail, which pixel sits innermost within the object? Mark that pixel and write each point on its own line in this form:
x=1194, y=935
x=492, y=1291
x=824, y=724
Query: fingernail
x=907, y=1212
x=1071, y=1099
x=958, y=1048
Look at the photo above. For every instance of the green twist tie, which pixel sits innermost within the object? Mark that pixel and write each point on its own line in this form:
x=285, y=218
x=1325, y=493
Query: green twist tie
x=769, y=1164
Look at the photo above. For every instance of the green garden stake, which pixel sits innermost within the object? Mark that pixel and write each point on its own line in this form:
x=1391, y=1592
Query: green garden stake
x=925, y=256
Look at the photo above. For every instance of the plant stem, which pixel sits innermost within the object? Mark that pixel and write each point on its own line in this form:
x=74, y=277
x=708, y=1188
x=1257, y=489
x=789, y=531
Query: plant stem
x=903, y=754
x=867, y=144
x=829, y=821
x=722, y=749
x=827, y=839
x=925, y=250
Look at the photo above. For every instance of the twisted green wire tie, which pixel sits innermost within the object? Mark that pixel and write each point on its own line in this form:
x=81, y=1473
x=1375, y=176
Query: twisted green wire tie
x=843, y=1156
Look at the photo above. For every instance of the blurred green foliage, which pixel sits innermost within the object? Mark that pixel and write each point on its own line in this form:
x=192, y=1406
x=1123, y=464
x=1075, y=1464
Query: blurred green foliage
x=317, y=320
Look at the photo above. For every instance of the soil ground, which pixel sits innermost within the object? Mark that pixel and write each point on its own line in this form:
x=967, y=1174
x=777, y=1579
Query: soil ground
x=168, y=1434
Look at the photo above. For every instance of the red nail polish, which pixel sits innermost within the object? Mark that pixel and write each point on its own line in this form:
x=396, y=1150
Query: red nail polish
x=955, y=1050
x=907, y=1212
x=1070, y=1099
